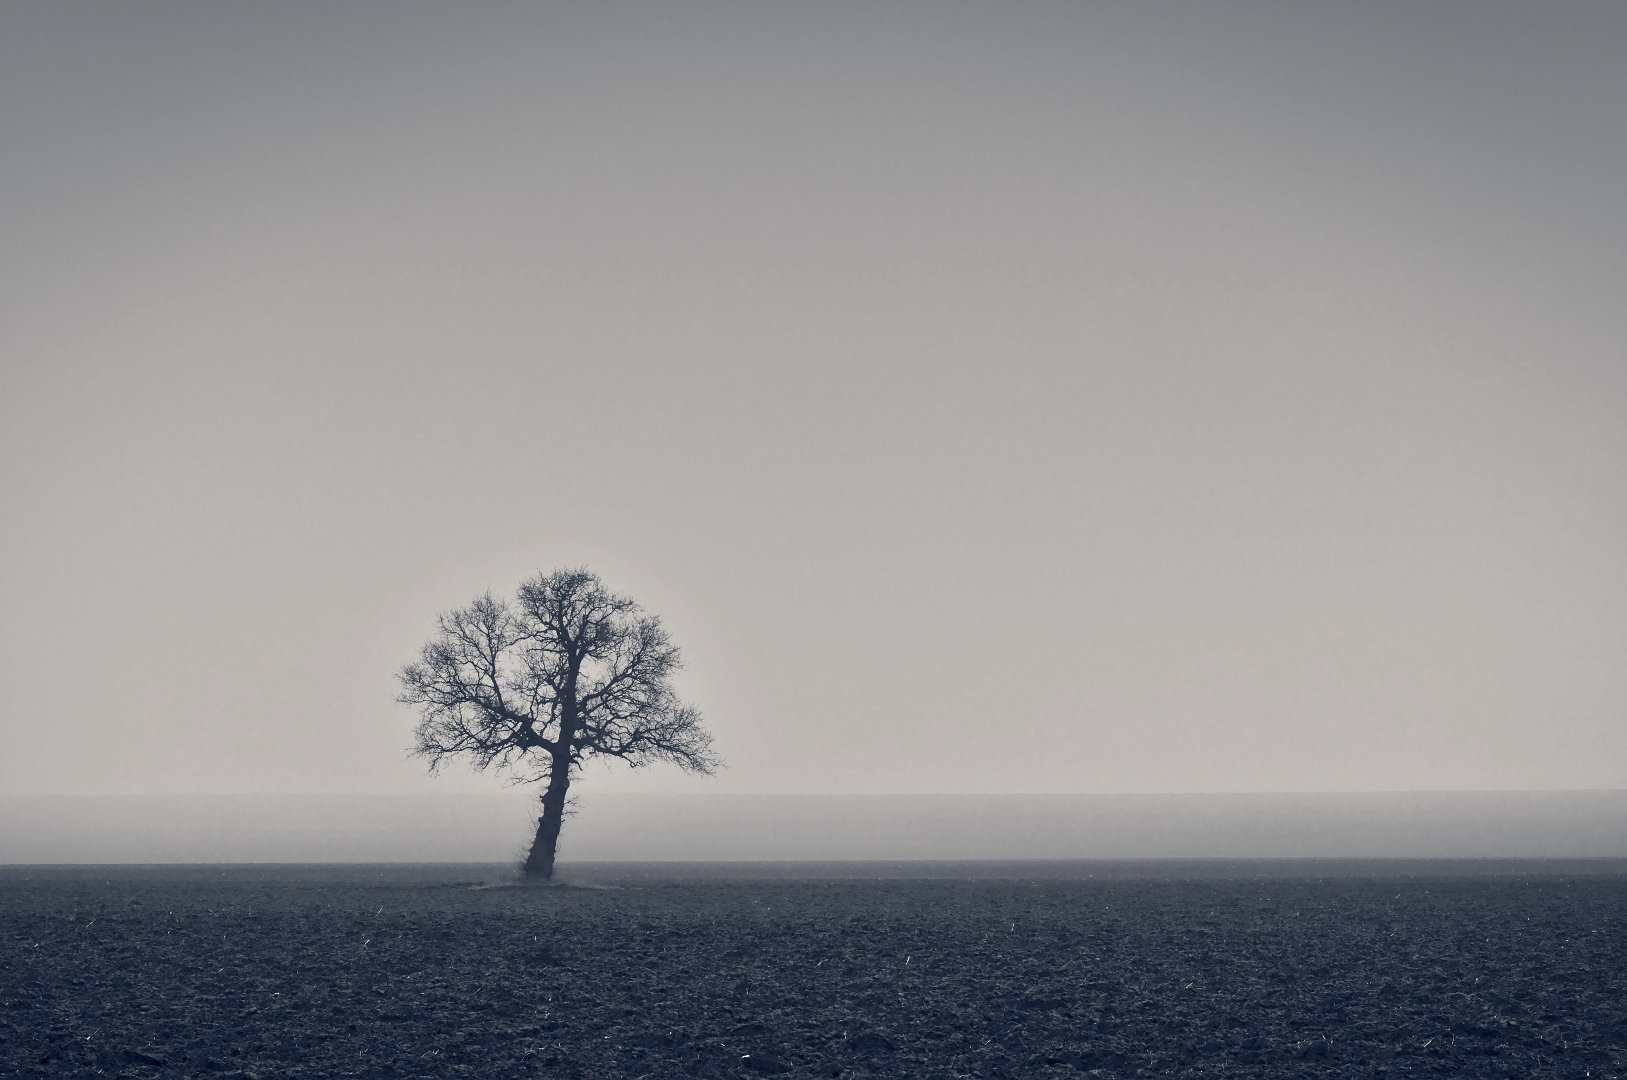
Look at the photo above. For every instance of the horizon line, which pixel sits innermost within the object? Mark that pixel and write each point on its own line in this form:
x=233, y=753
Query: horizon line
x=817, y=794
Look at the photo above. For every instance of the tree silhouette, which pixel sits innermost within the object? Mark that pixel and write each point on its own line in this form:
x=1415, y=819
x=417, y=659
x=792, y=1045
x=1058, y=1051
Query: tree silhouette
x=566, y=672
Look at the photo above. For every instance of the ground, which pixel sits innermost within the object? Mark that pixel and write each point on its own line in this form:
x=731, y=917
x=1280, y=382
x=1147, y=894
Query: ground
x=667, y=972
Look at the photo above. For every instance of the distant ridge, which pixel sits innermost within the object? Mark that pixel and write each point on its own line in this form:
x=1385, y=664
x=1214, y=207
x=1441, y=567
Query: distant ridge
x=491, y=828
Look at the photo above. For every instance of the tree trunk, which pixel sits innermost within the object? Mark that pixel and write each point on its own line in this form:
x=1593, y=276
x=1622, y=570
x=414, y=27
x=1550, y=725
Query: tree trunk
x=539, y=863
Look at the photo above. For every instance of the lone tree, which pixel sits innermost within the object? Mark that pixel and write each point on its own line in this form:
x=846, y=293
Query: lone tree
x=566, y=672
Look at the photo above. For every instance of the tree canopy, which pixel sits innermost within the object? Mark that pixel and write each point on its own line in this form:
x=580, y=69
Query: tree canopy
x=533, y=687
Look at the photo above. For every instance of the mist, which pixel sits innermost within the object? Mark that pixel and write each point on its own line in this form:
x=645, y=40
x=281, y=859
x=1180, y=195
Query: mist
x=494, y=828
x=1194, y=397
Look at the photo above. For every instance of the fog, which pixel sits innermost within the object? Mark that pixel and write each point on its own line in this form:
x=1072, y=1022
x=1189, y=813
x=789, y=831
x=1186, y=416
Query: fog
x=1023, y=397
x=495, y=828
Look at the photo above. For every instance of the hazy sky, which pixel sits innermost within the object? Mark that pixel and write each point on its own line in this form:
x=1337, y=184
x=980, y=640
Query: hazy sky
x=1031, y=397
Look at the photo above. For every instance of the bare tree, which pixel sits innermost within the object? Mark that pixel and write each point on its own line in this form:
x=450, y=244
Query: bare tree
x=566, y=672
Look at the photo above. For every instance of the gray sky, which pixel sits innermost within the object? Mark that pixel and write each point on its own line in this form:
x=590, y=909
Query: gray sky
x=1030, y=397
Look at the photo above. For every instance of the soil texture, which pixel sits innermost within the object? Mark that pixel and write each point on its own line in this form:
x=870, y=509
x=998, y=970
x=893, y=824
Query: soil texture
x=439, y=972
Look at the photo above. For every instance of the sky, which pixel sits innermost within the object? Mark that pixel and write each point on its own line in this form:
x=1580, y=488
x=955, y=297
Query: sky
x=1021, y=397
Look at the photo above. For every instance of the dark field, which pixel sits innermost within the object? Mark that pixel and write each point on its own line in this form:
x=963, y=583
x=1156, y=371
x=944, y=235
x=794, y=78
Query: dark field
x=1062, y=970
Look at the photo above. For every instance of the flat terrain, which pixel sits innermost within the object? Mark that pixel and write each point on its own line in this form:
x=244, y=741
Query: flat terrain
x=989, y=971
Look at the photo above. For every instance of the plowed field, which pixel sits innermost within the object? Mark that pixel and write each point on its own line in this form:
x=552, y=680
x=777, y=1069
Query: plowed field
x=432, y=972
